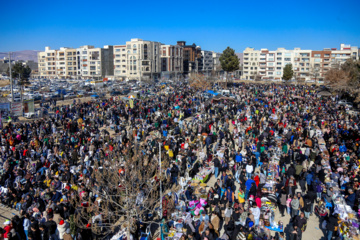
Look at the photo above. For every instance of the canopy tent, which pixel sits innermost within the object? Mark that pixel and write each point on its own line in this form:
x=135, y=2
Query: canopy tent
x=131, y=96
x=212, y=92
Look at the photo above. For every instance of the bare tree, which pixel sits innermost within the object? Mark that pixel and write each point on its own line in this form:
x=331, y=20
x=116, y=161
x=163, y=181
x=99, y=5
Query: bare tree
x=337, y=79
x=199, y=82
x=123, y=191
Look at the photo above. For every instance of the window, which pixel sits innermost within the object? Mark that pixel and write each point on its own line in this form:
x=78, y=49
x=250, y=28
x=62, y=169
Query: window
x=279, y=59
x=70, y=68
x=278, y=68
x=270, y=73
x=327, y=55
x=278, y=73
x=117, y=50
x=271, y=64
x=271, y=59
x=287, y=59
x=271, y=54
x=287, y=54
x=134, y=51
x=333, y=55
x=317, y=60
x=279, y=53
x=278, y=63
x=317, y=55
x=92, y=68
x=84, y=52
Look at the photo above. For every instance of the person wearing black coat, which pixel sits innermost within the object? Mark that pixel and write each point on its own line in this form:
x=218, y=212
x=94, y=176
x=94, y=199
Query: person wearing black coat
x=332, y=225
x=307, y=206
x=252, y=190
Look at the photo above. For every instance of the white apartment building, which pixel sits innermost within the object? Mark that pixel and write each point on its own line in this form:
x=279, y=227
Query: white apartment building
x=216, y=61
x=95, y=62
x=138, y=59
x=307, y=64
x=172, y=61
x=207, y=62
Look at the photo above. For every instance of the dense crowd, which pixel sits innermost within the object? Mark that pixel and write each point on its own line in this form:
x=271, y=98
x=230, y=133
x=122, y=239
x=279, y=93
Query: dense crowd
x=305, y=145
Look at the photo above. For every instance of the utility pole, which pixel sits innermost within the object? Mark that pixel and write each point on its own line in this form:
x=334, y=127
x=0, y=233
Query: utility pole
x=11, y=81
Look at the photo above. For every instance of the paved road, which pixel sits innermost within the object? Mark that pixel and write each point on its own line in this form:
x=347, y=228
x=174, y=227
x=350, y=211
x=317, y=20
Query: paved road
x=6, y=214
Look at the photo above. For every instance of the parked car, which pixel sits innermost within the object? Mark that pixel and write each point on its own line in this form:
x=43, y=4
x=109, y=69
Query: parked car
x=115, y=93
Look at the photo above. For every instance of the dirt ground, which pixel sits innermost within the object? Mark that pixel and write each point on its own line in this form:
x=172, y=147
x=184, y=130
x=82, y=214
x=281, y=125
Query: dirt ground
x=4, y=83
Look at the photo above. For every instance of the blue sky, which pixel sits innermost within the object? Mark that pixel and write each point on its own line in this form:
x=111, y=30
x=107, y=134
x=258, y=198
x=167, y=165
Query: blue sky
x=214, y=25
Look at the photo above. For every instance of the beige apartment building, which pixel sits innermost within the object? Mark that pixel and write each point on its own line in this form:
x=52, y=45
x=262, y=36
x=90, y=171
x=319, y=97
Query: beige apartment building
x=70, y=63
x=137, y=60
x=307, y=65
x=171, y=61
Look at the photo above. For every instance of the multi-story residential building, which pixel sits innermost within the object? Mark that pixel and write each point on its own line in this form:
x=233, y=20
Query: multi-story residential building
x=84, y=62
x=251, y=63
x=66, y=66
x=192, y=57
x=47, y=63
x=207, y=62
x=95, y=62
x=216, y=61
x=307, y=64
x=171, y=61
x=137, y=60
x=120, y=62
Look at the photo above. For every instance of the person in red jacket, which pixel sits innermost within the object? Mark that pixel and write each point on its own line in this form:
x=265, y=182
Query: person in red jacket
x=257, y=179
x=7, y=229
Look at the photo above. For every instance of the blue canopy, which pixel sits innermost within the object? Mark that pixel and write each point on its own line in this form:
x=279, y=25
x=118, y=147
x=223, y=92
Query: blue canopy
x=212, y=92
x=95, y=96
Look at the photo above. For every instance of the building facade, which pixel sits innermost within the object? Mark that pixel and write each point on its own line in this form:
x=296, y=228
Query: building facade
x=137, y=60
x=172, y=61
x=94, y=62
x=307, y=64
x=70, y=63
x=207, y=62
x=192, y=57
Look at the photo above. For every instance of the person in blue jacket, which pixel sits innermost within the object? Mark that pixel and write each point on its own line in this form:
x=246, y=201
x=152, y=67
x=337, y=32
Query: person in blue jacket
x=248, y=186
x=350, y=199
x=238, y=157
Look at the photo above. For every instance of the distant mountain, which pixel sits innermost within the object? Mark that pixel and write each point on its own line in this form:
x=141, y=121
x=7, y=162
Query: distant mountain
x=22, y=55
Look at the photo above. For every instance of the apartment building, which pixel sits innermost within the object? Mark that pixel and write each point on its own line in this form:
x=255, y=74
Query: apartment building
x=251, y=63
x=192, y=57
x=171, y=61
x=137, y=60
x=216, y=61
x=47, y=63
x=307, y=64
x=83, y=62
x=94, y=62
x=207, y=62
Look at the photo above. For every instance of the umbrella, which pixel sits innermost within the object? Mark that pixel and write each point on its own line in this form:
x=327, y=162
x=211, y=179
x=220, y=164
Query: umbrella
x=131, y=96
x=95, y=96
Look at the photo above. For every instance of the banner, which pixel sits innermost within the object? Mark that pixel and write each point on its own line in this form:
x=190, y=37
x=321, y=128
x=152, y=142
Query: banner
x=131, y=103
x=29, y=106
x=16, y=109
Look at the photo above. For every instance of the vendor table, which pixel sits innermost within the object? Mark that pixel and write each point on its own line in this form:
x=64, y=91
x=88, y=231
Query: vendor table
x=203, y=174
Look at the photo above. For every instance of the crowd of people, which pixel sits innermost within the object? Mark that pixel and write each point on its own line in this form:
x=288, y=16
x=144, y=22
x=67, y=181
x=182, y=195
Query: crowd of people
x=274, y=149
